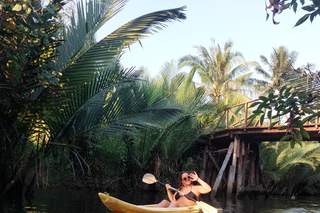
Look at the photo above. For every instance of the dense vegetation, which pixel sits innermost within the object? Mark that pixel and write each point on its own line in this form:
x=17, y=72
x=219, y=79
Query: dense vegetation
x=59, y=87
x=71, y=112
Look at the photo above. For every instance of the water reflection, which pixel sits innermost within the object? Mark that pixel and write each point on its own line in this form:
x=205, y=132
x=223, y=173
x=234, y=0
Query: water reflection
x=273, y=205
x=72, y=201
x=54, y=201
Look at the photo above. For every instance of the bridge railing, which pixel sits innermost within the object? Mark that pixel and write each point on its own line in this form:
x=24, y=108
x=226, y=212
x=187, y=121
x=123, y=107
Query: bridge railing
x=238, y=115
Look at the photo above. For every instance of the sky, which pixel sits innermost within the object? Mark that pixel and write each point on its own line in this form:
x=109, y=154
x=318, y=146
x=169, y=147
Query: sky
x=241, y=21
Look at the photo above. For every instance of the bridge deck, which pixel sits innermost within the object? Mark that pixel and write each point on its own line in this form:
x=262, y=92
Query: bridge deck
x=222, y=138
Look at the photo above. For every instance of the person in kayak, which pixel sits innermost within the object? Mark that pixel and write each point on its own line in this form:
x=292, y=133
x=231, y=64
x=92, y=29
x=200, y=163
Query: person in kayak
x=185, y=186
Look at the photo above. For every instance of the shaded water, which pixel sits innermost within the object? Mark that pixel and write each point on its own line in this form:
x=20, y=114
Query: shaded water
x=71, y=201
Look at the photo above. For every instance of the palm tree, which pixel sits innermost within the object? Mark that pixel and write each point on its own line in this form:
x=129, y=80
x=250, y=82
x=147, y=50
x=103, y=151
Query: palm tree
x=291, y=170
x=222, y=72
x=171, y=143
x=280, y=67
x=91, y=91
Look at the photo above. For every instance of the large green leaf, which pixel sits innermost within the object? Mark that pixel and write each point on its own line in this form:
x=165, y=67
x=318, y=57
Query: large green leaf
x=79, y=101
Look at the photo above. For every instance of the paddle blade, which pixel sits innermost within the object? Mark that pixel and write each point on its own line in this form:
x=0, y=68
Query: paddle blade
x=206, y=208
x=149, y=178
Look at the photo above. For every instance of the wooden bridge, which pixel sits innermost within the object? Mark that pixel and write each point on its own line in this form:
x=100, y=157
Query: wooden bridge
x=238, y=138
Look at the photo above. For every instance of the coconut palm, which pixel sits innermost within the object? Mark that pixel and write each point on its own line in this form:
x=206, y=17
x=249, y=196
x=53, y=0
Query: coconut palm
x=171, y=143
x=280, y=67
x=92, y=91
x=172, y=81
x=223, y=73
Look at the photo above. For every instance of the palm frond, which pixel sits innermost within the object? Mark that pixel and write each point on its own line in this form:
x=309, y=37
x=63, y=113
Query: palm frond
x=79, y=36
x=94, y=74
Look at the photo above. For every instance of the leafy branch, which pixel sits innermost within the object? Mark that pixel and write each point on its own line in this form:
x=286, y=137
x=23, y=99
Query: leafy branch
x=313, y=9
x=293, y=105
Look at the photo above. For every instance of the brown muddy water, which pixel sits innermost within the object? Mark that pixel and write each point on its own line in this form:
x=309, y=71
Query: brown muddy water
x=75, y=201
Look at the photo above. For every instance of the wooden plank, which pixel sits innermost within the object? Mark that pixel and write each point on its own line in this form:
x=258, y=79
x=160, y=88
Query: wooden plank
x=240, y=166
x=257, y=165
x=227, y=118
x=246, y=114
x=223, y=167
x=252, y=169
x=250, y=121
x=236, y=117
x=216, y=165
x=232, y=170
x=245, y=157
x=224, y=112
x=238, y=148
x=204, y=163
x=220, y=150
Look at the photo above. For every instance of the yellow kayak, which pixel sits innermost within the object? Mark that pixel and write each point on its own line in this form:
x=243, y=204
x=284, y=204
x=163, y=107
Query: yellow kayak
x=118, y=206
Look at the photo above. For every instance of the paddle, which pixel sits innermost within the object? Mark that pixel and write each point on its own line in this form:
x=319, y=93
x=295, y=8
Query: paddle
x=206, y=208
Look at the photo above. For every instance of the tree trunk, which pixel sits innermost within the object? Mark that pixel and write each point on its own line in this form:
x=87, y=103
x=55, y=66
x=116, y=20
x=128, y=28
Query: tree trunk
x=22, y=172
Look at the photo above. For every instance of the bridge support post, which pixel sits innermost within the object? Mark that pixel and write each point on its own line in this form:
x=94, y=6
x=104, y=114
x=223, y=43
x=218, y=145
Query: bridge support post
x=252, y=168
x=223, y=167
x=254, y=179
x=232, y=170
x=204, y=163
x=240, y=166
x=245, y=157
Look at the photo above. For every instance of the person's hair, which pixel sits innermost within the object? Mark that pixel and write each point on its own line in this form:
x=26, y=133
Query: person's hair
x=180, y=185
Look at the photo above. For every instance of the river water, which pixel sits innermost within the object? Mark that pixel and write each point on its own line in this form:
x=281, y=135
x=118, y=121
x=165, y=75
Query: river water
x=72, y=201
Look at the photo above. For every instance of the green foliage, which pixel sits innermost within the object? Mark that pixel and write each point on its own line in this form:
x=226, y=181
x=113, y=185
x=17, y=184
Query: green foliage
x=288, y=102
x=27, y=45
x=27, y=52
x=280, y=66
x=290, y=170
x=164, y=149
x=91, y=91
x=224, y=73
x=312, y=9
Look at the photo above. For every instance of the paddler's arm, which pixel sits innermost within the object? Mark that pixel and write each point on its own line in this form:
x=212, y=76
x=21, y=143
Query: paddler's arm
x=170, y=195
x=204, y=188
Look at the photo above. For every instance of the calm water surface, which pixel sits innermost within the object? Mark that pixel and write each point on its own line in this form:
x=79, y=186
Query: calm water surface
x=71, y=201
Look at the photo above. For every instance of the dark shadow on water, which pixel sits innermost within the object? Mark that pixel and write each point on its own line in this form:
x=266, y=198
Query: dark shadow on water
x=73, y=201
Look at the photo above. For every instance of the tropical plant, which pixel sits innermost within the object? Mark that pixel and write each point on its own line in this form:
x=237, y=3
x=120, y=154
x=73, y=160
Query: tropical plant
x=277, y=6
x=312, y=8
x=87, y=90
x=27, y=53
x=291, y=170
x=223, y=73
x=172, y=143
x=287, y=103
x=298, y=97
x=280, y=66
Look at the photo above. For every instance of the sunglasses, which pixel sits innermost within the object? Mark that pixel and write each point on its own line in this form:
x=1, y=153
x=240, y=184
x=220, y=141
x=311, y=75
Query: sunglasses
x=186, y=178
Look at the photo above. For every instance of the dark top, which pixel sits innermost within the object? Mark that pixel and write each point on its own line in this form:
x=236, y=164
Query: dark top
x=190, y=194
